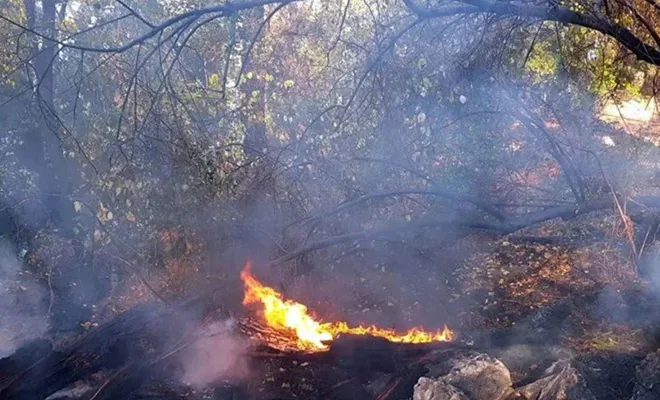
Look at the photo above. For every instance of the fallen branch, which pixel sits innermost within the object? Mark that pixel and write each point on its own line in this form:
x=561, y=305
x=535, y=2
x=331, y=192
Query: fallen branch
x=432, y=193
x=499, y=227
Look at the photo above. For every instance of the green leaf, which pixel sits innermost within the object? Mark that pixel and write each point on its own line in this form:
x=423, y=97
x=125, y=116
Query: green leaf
x=288, y=83
x=214, y=80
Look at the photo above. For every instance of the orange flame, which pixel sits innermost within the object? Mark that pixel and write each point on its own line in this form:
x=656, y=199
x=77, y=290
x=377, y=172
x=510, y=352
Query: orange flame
x=307, y=332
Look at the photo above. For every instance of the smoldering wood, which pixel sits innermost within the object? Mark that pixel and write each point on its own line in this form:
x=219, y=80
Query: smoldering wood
x=120, y=343
x=136, y=356
x=130, y=346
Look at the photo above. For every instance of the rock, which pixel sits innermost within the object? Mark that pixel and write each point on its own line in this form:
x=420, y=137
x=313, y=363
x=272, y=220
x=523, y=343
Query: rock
x=647, y=386
x=482, y=377
x=561, y=381
x=472, y=377
x=430, y=389
x=530, y=361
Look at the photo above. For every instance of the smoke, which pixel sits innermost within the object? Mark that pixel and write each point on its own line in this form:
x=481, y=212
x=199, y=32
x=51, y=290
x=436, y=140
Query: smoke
x=650, y=267
x=22, y=318
x=217, y=356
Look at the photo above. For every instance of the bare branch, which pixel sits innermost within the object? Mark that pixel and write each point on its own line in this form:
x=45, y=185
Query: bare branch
x=497, y=227
x=624, y=36
x=246, y=57
x=223, y=10
x=136, y=14
x=433, y=193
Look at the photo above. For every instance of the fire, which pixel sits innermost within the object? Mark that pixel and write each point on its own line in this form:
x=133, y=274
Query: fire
x=310, y=334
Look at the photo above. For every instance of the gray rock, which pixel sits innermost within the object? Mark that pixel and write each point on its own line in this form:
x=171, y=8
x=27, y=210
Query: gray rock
x=472, y=377
x=431, y=389
x=561, y=381
x=481, y=377
x=477, y=376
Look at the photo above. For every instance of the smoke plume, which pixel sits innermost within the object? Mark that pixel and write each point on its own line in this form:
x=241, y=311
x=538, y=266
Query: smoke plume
x=216, y=356
x=21, y=301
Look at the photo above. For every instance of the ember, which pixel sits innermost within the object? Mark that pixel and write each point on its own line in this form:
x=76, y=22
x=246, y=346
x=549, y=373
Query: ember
x=302, y=331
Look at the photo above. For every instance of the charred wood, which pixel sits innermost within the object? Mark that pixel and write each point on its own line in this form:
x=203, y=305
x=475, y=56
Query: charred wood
x=131, y=337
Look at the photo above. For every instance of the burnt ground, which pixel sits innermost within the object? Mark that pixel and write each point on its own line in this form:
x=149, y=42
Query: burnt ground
x=147, y=353
x=563, y=287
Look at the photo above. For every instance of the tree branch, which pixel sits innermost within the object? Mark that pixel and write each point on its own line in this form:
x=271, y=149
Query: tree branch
x=498, y=227
x=624, y=36
x=224, y=9
x=435, y=193
x=136, y=14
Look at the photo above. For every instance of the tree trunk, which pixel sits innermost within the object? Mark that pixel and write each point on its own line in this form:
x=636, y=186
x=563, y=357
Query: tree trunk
x=254, y=118
x=44, y=145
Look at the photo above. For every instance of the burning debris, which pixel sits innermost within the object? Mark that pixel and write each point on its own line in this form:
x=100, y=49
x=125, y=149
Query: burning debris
x=193, y=353
x=300, y=330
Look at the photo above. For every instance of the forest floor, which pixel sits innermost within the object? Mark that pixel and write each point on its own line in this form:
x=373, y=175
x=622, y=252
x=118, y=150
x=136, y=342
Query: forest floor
x=590, y=269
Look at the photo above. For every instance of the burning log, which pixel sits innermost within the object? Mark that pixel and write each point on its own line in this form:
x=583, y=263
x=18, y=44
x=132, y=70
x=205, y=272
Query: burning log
x=300, y=330
x=121, y=358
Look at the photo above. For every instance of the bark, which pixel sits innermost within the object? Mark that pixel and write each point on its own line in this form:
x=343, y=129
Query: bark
x=254, y=88
x=43, y=151
x=56, y=185
x=32, y=152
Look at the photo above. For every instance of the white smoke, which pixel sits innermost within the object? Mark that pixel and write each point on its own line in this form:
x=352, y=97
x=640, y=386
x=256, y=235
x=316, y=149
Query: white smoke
x=21, y=300
x=218, y=355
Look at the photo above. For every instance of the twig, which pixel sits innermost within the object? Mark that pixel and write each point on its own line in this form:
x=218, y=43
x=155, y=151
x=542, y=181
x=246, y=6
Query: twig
x=246, y=57
x=50, y=290
x=136, y=14
x=107, y=382
x=338, y=385
x=531, y=47
x=223, y=9
x=132, y=270
x=641, y=249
